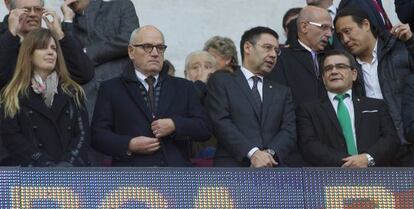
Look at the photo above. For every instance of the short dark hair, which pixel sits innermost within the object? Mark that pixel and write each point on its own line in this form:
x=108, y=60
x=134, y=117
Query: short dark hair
x=358, y=16
x=253, y=34
x=291, y=12
x=340, y=52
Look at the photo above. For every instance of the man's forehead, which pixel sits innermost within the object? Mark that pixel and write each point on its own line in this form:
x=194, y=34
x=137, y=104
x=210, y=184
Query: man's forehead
x=28, y=3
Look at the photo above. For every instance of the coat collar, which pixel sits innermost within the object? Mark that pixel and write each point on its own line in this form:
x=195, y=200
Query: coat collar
x=35, y=102
x=131, y=83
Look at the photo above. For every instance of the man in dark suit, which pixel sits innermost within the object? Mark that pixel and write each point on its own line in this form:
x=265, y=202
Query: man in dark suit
x=342, y=129
x=253, y=117
x=104, y=29
x=298, y=67
x=146, y=117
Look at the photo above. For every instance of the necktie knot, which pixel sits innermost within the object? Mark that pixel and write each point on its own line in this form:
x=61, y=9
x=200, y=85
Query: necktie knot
x=256, y=80
x=341, y=97
x=150, y=80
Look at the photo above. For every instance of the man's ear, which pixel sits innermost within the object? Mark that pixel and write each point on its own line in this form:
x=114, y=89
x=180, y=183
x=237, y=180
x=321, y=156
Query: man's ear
x=247, y=47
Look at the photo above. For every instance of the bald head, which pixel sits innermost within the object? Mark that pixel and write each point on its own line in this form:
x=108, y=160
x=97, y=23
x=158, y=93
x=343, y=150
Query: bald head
x=314, y=27
x=137, y=34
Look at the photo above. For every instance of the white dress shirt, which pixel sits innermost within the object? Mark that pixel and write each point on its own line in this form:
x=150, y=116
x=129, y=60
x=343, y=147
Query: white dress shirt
x=349, y=105
x=370, y=74
x=248, y=75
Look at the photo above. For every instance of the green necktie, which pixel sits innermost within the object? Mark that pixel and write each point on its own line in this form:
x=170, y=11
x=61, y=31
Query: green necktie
x=346, y=125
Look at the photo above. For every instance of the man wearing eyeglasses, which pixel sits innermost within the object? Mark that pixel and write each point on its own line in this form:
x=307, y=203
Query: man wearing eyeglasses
x=343, y=129
x=298, y=66
x=146, y=117
x=384, y=62
x=253, y=117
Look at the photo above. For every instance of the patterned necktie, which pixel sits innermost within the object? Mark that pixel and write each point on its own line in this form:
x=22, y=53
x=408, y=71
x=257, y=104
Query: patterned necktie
x=315, y=63
x=150, y=81
x=256, y=94
x=346, y=125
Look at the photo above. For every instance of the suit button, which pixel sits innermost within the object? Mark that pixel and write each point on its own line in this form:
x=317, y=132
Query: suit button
x=69, y=128
x=35, y=127
x=40, y=145
x=67, y=112
x=30, y=112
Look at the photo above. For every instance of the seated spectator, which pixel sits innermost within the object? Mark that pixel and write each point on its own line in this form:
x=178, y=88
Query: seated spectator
x=343, y=129
x=224, y=50
x=44, y=118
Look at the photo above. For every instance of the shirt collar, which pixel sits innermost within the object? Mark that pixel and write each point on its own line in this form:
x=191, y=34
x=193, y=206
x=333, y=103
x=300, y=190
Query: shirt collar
x=332, y=10
x=304, y=46
x=332, y=95
x=141, y=77
x=249, y=74
x=374, y=54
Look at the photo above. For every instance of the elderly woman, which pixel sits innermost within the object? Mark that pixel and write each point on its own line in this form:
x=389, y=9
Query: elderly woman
x=199, y=65
x=224, y=51
x=44, y=119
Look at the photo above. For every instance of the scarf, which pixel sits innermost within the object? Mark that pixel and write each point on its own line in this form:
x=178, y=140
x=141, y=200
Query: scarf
x=47, y=88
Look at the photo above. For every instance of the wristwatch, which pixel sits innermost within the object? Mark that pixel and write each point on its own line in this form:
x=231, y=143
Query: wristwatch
x=271, y=152
x=371, y=161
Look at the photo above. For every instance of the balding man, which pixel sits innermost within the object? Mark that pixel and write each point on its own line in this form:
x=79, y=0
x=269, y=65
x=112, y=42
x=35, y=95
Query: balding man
x=298, y=66
x=146, y=117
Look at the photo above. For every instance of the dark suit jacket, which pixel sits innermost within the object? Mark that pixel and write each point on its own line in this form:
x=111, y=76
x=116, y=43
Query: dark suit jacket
x=39, y=136
x=121, y=113
x=368, y=7
x=295, y=70
x=320, y=135
x=237, y=124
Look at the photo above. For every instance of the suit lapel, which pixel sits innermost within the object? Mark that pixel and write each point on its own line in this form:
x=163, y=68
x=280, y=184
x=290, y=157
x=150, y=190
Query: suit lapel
x=131, y=84
x=35, y=102
x=167, y=95
x=305, y=58
x=330, y=111
x=357, y=113
x=59, y=102
x=244, y=86
x=268, y=96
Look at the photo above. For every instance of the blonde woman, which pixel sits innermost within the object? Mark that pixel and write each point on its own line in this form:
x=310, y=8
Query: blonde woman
x=44, y=119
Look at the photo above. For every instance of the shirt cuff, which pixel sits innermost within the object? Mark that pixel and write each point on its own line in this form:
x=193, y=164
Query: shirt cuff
x=252, y=151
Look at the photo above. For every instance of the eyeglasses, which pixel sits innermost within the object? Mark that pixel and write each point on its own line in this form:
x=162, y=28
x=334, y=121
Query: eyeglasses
x=149, y=47
x=324, y=27
x=269, y=47
x=35, y=9
x=338, y=66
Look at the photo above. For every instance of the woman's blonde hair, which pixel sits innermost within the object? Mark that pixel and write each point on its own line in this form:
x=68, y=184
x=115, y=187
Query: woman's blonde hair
x=21, y=81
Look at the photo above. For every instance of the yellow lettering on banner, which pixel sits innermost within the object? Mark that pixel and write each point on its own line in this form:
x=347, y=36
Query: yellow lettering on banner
x=213, y=197
x=117, y=198
x=336, y=195
x=23, y=197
